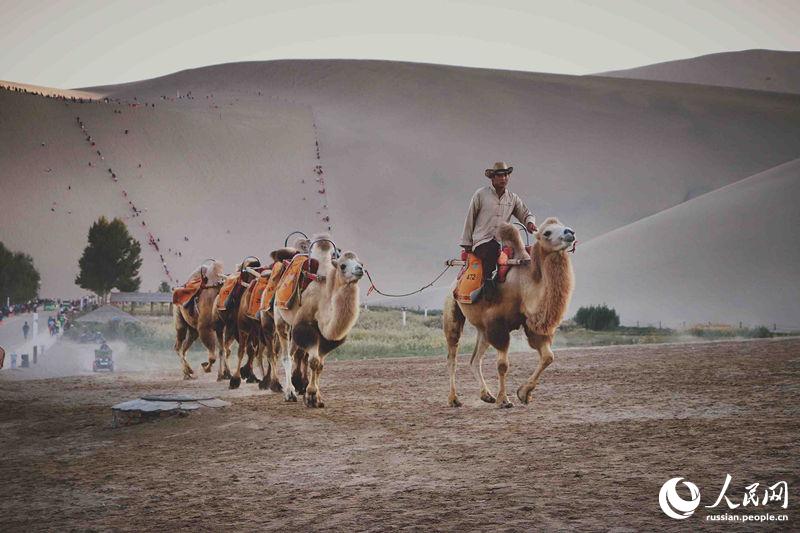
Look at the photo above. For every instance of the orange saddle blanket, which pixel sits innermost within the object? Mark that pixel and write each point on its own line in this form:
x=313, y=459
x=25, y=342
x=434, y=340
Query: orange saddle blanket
x=265, y=302
x=227, y=288
x=470, y=281
x=294, y=281
x=255, y=291
x=287, y=292
x=181, y=295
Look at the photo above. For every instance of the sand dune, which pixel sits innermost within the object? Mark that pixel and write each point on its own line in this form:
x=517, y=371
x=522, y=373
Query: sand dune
x=730, y=255
x=761, y=70
x=403, y=147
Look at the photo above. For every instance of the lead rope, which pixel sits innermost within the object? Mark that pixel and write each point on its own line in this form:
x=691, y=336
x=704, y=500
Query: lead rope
x=372, y=286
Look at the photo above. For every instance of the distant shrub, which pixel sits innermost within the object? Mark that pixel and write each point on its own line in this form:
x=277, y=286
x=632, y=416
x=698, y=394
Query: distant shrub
x=727, y=332
x=760, y=332
x=597, y=318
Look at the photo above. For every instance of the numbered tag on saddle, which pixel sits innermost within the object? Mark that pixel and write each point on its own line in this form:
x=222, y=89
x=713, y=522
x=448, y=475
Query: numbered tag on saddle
x=470, y=280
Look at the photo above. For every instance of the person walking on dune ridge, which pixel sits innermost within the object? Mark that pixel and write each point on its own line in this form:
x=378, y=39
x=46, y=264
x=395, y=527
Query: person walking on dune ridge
x=491, y=206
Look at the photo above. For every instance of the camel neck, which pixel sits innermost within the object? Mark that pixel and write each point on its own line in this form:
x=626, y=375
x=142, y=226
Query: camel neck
x=341, y=312
x=554, y=272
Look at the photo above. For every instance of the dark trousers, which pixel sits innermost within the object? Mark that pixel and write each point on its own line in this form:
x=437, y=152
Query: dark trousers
x=488, y=253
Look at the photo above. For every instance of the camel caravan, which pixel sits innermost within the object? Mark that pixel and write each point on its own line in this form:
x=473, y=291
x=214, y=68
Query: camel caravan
x=302, y=305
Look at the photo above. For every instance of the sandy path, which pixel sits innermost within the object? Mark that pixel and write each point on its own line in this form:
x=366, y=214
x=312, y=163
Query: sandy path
x=608, y=426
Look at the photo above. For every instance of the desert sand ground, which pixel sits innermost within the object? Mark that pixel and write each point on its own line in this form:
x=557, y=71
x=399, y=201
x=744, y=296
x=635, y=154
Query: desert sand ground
x=607, y=427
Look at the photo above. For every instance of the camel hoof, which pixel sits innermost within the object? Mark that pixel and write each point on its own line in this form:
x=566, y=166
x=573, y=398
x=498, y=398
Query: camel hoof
x=487, y=397
x=245, y=372
x=226, y=374
x=290, y=397
x=188, y=377
x=206, y=366
x=505, y=404
x=252, y=379
x=313, y=401
x=263, y=385
x=454, y=402
x=524, y=399
x=235, y=382
x=300, y=384
x=275, y=386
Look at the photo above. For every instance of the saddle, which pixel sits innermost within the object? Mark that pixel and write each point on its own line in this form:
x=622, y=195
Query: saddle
x=298, y=273
x=227, y=294
x=470, y=278
x=182, y=295
x=267, y=296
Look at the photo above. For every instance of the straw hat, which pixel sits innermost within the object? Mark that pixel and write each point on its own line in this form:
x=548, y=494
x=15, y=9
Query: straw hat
x=500, y=166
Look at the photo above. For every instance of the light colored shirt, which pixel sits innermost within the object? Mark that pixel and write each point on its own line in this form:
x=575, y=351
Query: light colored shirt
x=487, y=211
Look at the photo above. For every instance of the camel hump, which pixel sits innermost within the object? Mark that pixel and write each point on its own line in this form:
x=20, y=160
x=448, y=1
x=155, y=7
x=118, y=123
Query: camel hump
x=283, y=254
x=509, y=236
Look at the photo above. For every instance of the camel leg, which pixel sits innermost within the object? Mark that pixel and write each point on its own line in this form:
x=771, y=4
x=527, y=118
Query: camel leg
x=313, y=396
x=251, y=349
x=307, y=338
x=236, y=379
x=498, y=336
x=288, y=348
x=453, y=324
x=271, y=347
x=209, y=340
x=541, y=343
x=300, y=371
x=252, y=358
x=227, y=341
x=182, y=332
x=260, y=358
x=274, y=354
x=476, y=365
x=190, y=337
x=290, y=394
x=219, y=334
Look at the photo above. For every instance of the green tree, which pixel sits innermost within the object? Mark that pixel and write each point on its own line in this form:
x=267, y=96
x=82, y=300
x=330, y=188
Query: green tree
x=164, y=287
x=597, y=317
x=111, y=260
x=19, y=279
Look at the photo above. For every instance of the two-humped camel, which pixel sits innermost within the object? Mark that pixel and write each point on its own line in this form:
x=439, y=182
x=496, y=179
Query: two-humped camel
x=226, y=324
x=258, y=333
x=320, y=322
x=198, y=322
x=534, y=296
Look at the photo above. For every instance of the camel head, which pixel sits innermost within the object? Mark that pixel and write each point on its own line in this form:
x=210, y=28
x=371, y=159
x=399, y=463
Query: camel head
x=553, y=236
x=348, y=269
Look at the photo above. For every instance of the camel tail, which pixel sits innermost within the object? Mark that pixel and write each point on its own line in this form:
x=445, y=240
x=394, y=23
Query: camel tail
x=509, y=236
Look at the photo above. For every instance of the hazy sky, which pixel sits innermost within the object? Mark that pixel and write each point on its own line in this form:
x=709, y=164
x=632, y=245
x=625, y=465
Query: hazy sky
x=79, y=43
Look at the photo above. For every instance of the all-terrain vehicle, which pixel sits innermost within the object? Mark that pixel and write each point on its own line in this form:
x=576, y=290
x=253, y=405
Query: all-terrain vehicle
x=103, y=359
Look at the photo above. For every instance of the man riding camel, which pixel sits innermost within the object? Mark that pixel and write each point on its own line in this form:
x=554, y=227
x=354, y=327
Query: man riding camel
x=491, y=206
